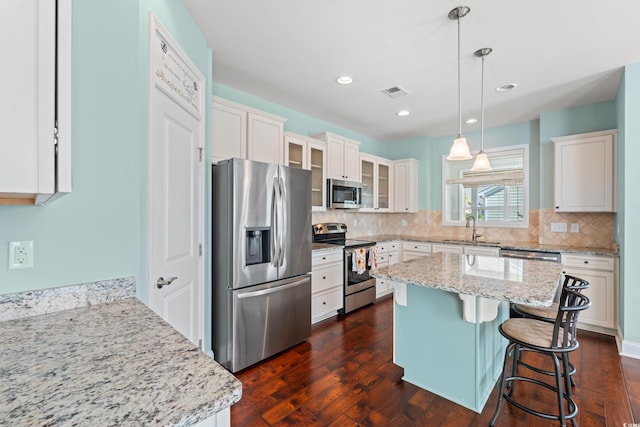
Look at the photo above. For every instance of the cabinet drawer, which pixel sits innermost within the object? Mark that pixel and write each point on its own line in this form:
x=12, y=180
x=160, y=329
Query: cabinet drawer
x=326, y=257
x=326, y=277
x=416, y=247
x=383, y=258
x=382, y=248
x=588, y=261
x=393, y=257
x=326, y=304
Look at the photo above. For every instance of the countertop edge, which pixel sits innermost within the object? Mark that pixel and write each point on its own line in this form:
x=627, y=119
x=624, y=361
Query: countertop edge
x=585, y=250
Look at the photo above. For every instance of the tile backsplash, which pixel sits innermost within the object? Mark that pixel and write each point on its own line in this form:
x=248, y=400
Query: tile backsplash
x=595, y=229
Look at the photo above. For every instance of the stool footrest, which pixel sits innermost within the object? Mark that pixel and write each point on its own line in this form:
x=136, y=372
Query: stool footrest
x=573, y=408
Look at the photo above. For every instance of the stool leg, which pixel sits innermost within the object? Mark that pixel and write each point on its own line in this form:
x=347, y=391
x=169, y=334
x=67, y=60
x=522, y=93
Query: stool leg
x=510, y=347
x=573, y=381
x=514, y=367
x=559, y=388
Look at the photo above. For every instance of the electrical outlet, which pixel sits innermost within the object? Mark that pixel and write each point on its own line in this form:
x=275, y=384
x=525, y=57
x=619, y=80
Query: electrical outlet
x=575, y=227
x=559, y=227
x=21, y=254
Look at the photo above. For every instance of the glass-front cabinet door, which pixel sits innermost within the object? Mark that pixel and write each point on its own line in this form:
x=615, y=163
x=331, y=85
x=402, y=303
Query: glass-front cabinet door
x=295, y=151
x=384, y=193
x=317, y=155
x=376, y=175
x=367, y=178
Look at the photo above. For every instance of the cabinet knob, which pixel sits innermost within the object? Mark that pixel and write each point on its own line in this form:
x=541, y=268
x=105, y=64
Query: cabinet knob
x=406, y=209
x=586, y=262
x=557, y=207
x=324, y=277
x=324, y=257
x=324, y=303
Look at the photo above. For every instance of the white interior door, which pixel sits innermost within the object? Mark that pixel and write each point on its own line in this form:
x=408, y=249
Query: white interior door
x=175, y=190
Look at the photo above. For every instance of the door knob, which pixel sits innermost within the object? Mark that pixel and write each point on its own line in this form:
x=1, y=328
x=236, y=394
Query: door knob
x=164, y=282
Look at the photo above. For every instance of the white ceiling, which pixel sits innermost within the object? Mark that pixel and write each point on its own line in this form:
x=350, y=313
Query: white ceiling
x=561, y=53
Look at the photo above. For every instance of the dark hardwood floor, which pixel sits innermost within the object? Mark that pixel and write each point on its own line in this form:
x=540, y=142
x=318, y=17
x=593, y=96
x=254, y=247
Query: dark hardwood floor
x=344, y=376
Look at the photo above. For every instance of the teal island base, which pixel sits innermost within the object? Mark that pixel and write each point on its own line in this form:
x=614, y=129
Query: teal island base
x=444, y=354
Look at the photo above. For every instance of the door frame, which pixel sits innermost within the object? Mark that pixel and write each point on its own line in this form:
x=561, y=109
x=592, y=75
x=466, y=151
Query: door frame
x=196, y=107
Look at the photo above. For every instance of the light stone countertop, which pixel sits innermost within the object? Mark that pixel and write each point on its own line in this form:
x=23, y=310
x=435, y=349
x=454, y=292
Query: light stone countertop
x=586, y=250
x=116, y=363
x=515, y=280
x=319, y=247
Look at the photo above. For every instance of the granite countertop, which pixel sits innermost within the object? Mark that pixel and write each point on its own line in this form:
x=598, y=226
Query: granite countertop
x=515, y=280
x=503, y=244
x=324, y=247
x=116, y=363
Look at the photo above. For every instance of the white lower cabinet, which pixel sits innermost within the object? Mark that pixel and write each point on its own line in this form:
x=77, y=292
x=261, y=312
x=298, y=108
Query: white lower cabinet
x=388, y=254
x=413, y=250
x=327, y=276
x=600, y=272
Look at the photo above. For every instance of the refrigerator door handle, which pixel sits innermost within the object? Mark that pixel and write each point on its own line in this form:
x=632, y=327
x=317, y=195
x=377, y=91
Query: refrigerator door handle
x=274, y=213
x=272, y=290
x=276, y=222
x=282, y=215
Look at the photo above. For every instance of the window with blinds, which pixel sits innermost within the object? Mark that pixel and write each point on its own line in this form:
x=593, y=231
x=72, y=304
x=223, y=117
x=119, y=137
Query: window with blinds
x=496, y=198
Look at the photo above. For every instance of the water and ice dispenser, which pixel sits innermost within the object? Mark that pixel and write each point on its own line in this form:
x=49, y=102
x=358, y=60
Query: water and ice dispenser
x=258, y=245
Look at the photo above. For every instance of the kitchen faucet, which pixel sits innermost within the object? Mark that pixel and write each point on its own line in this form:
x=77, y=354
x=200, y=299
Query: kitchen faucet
x=474, y=235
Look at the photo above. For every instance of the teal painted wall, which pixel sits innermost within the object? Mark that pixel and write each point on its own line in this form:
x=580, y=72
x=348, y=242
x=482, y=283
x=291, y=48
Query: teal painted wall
x=619, y=232
x=588, y=118
x=630, y=269
x=99, y=231
x=429, y=151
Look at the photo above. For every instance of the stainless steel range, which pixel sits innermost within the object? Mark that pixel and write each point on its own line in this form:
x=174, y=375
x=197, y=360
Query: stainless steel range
x=359, y=287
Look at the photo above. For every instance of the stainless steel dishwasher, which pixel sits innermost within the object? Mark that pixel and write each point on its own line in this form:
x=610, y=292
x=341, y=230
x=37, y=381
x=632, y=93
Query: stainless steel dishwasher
x=531, y=254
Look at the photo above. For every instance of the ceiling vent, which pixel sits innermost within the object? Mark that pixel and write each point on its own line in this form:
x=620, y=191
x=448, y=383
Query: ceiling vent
x=395, y=92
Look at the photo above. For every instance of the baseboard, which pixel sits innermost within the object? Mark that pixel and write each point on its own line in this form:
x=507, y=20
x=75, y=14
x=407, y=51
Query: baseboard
x=630, y=349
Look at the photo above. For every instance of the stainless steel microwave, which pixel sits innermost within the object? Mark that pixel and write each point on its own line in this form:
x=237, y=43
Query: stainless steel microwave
x=343, y=194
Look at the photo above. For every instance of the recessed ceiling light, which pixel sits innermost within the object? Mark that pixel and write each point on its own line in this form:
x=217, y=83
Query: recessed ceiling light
x=507, y=87
x=403, y=113
x=471, y=121
x=344, y=80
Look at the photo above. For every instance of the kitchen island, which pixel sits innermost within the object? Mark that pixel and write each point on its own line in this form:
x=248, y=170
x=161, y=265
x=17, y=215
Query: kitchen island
x=109, y=362
x=447, y=309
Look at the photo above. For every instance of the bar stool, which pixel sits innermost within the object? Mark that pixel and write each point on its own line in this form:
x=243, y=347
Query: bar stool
x=551, y=339
x=548, y=314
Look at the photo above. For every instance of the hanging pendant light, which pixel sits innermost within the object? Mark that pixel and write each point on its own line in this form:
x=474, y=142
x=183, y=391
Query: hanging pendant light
x=460, y=149
x=482, y=161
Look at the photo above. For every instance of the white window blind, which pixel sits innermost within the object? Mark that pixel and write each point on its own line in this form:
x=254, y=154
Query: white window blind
x=507, y=169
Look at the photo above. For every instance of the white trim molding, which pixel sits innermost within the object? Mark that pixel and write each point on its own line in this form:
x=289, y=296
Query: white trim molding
x=630, y=349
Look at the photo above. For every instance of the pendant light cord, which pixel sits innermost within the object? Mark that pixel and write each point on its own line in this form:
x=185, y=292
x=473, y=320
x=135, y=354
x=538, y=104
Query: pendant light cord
x=482, y=109
x=459, y=91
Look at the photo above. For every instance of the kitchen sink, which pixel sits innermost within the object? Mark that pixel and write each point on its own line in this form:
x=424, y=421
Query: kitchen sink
x=469, y=242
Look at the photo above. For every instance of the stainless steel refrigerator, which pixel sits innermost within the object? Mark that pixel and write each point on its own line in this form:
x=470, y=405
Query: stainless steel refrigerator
x=261, y=260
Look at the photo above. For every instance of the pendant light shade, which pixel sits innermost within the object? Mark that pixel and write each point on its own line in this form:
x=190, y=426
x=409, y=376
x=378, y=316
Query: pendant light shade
x=460, y=149
x=481, y=163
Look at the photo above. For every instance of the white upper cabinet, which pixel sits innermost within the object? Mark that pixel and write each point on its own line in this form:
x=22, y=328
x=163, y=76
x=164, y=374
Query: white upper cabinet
x=264, y=138
x=35, y=160
x=585, y=172
x=343, y=157
x=229, y=132
x=376, y=176
x=311, y=154
x=246, y=133
x=406, y=185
